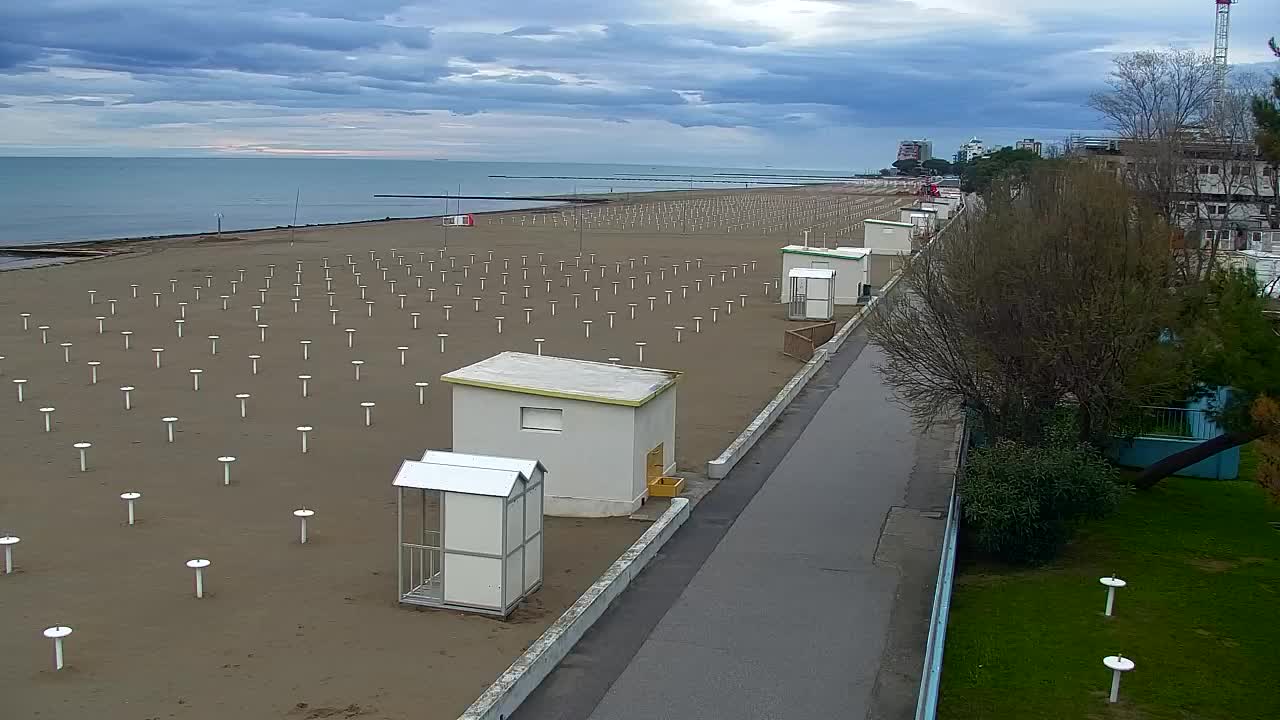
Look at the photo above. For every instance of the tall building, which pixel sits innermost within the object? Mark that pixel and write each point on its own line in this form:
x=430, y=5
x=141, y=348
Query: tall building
x=970, y=151
x=1029, y=144
x=918, y=150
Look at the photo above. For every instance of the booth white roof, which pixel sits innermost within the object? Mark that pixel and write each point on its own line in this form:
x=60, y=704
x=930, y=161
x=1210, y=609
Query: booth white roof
x=490, y=462
x=565, y=378
x=812, y=273
x=851, y=253
x=457, y=478
x=875, y=221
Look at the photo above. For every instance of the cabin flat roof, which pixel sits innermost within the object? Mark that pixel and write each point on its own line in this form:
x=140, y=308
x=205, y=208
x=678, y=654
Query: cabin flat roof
x=565, y=378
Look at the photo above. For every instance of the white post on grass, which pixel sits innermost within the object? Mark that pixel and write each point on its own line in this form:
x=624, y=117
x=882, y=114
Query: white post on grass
x=244, y=402
x=304, y=429
x=128, y=391
x=48, y=418
x=422, y=392
x=93, y=371
x=368, y=413
x=157, y=351
x=169, y=421
x=195, y=378
x=1111, y=584
x=1118, y=665
x=19, y=383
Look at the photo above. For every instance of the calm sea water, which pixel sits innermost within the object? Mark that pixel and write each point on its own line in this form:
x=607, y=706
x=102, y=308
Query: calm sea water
x=57, y=199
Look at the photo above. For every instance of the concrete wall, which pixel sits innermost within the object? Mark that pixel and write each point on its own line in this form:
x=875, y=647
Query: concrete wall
x=655, y=423
x=851, y=274
x=589, y=462
x=878, y=236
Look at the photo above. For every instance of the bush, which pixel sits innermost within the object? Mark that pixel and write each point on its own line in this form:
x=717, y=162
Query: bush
x=1021, y=503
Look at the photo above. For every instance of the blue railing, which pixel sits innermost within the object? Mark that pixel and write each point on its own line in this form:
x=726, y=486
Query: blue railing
x=931, y=676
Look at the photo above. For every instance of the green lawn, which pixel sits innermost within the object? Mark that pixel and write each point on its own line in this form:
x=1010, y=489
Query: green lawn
x=1201, y=616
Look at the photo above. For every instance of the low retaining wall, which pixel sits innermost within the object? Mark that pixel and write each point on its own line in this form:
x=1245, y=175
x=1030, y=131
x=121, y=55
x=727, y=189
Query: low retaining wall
x=527, y=672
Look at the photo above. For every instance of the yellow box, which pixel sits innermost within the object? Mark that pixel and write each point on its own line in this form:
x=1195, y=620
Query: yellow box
x=666, y=486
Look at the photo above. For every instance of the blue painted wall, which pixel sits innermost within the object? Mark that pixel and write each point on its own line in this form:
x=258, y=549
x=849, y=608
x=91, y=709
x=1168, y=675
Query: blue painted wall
x=1143, y=451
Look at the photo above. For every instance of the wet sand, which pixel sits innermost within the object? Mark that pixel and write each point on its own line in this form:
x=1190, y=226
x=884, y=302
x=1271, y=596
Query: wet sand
x=311, y=631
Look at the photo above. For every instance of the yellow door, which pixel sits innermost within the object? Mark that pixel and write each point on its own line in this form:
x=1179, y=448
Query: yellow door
x=654, y=465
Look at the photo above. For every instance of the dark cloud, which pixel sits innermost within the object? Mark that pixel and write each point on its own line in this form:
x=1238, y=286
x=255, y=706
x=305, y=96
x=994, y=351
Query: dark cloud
x=638, y=61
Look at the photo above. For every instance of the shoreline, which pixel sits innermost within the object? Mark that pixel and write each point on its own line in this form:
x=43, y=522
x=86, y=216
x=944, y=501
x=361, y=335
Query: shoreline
x=49, y=246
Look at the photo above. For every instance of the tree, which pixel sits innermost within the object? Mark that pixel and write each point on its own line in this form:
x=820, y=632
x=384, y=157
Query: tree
x=885, y=172
x=907, y=167
x=1265, y=108
x=1057, y=291
x=1228, y=341
x=937, y=166
x=979, y=174
x=1180, y=145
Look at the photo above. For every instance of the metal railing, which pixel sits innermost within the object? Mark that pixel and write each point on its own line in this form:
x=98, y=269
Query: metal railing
x=422, y=567
x=931, y=676
x=1171, y=422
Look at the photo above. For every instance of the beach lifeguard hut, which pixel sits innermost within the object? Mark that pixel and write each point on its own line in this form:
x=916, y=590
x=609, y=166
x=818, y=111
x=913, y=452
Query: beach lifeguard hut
x=606, y=431
x=469, y=531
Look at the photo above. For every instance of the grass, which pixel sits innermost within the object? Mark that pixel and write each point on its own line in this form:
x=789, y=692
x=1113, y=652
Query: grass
x=1200, y=617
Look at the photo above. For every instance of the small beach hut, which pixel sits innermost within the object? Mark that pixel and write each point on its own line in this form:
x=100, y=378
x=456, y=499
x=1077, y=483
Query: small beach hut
x=469, y=531
x=605, y=430
x=887, y=235
x=850, y=264
x=810, y=294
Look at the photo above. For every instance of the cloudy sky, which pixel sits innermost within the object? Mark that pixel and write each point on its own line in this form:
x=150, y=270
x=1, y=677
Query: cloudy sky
x=795, y=83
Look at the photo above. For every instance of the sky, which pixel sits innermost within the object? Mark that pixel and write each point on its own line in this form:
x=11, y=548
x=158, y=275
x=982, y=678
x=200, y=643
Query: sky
x=830, y=84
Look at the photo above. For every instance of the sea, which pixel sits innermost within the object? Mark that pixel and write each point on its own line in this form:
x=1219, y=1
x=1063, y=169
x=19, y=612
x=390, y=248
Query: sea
x=71, y=199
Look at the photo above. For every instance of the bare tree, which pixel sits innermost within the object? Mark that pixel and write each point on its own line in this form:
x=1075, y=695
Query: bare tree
x=1057, y=292
x=1186, y=150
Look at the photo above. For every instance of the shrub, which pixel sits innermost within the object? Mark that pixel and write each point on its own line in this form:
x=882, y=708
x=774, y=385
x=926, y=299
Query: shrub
x=1021, y=503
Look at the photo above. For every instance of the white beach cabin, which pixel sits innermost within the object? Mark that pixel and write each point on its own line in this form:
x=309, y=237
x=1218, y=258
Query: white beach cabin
x=605, y=430
x=470, y=537
x=810, y=294
x=887, y=235
x=850, y=264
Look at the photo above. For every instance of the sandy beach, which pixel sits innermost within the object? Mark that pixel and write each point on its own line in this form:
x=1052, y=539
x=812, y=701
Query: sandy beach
x=312, y=631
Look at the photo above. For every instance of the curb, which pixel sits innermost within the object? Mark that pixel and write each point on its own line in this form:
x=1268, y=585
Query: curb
x=515, y=684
